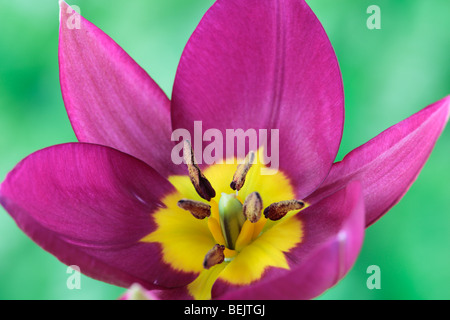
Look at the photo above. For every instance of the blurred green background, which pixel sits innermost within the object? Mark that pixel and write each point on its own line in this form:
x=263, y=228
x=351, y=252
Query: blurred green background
x=388, y=74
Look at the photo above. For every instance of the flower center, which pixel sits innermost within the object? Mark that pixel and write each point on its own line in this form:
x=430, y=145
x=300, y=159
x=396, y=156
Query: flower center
x=232, y=213
x=234, y=236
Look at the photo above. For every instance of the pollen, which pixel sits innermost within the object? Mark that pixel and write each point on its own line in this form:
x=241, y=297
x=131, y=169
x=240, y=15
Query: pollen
x=253, y=206
x=198, y=179
x=198, y=209
x=242, y=171
x=214, y=256
x=278, y=210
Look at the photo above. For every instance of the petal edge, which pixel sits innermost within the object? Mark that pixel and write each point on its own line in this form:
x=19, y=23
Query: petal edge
x=388, y=164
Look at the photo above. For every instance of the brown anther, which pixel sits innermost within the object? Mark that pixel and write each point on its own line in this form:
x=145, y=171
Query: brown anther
x=198, y=209
x=253, y=206
x=241, y=172
x=214, y=256
x=278, y=210
x=201, y=184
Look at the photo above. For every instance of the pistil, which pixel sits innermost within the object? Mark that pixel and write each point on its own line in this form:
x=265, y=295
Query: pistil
x=231, y=218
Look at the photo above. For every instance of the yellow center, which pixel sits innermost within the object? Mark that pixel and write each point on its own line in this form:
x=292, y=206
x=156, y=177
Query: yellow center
x=185, y=240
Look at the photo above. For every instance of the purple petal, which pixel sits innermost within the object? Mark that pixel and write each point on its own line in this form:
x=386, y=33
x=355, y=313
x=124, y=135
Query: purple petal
x=254, y=64
x=137, y=292
x=333, y=236
x=109, y=98
x=90, y=206
x=388, y=164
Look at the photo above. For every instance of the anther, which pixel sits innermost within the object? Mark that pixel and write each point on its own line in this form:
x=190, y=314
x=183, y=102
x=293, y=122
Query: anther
x=214, y=256
x=278, y=210
x=253, y=206
x=198, y=209
x=201, y=184
x=241, y=172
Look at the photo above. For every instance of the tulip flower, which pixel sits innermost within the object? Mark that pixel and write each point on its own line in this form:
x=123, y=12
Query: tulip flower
x=116, y=205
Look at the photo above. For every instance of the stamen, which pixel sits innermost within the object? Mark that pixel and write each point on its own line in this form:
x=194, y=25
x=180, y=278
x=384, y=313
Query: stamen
x=198, y=209
x=253, y=206
x=201, y=184
x=214, y=256
x=278, y=210
x=241, y=172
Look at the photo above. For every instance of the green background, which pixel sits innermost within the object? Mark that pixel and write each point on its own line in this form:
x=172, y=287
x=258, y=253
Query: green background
x=388, y=75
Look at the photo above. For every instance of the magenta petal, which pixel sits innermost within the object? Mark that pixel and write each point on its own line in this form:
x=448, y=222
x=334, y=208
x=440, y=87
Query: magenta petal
x=137, y=292
x=109, y=98
x=333, y=236
x=388, y=164
x=253, y=64
x=90, y=206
